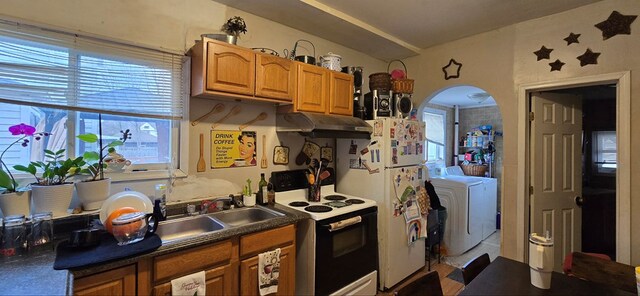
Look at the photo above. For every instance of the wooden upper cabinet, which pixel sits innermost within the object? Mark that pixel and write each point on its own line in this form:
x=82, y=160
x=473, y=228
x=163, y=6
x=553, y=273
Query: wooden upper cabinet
x=286, y=278
x=275, y=77
x=230, y=68
x=341, y=94
x=119, y=281
x=313, y=88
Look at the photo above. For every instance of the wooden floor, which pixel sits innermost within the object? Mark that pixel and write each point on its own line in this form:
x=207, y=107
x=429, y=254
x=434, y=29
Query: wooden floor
x=449, y=286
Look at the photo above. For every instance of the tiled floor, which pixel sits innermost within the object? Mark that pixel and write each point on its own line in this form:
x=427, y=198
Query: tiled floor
x=491, y=246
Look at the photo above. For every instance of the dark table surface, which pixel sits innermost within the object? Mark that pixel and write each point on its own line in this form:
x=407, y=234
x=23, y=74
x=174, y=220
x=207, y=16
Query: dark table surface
x=508, y=277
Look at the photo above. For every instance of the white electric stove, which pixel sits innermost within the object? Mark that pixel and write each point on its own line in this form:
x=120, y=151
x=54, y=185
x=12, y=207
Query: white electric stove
x=332, y=204
x=337, y=248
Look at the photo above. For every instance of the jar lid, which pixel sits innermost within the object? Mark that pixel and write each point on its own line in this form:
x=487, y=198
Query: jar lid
x=14, y=220
x=128, y=218
x=42, y=216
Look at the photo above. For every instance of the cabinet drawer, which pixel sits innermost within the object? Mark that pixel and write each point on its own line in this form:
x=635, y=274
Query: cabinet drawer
x=252, y=244
x=181, y=263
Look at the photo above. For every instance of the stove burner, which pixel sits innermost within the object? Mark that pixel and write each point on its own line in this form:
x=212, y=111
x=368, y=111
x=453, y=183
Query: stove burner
x=299, y=204
x=318, y=209
x=335, y=197
x=336, y=204
x=354, y=201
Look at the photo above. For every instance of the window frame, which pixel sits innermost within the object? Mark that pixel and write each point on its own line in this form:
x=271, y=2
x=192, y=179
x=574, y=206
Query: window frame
x=443, y=113
x=595, y=148
x=178, y=166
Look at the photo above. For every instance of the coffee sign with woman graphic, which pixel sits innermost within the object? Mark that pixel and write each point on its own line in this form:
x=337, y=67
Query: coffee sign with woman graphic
x=233, y=149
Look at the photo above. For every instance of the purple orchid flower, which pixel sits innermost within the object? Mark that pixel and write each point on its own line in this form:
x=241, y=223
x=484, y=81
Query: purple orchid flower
x=22, y=129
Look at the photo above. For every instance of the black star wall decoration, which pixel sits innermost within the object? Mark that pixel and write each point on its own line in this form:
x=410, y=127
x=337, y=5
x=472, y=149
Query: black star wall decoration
x=556, y=66
x=453, y=66
x=588, y=58
x=617, y=23
x=543, y=53
x=572, y=38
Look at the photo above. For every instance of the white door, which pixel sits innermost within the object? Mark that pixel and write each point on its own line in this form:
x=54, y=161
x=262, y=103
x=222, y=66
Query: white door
x=402, y=141
x=556, y=172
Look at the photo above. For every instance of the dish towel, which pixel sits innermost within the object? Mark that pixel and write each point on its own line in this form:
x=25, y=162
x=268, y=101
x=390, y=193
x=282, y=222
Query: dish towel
x=189, y=285
x=268, y=271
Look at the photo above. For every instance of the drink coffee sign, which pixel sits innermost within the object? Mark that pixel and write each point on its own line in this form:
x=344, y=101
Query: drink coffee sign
x=233, y=149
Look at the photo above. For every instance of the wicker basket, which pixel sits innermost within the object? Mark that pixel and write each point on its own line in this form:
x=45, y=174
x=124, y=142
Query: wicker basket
x=401, y=85
x=380, y=81
x=474, y=170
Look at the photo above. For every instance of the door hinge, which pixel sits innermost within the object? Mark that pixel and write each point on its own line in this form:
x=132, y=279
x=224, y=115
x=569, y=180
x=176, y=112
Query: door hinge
x=530, y=190
x=531, y=116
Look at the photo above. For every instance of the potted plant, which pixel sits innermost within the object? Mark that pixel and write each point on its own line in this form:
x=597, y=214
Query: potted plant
x=93, y=191
x=13, y=199
x=233, y=27
x=52, y=192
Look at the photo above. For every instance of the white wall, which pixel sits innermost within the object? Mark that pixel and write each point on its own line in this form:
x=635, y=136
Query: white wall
x=501, y=60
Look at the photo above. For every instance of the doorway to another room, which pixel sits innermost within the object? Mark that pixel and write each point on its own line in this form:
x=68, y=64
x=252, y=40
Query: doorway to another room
x=576, y=176
x=464, y=136
x=573, y=169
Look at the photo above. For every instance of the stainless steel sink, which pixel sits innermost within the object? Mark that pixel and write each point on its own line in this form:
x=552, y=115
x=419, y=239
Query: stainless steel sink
x=187, y=227
x=244, y=216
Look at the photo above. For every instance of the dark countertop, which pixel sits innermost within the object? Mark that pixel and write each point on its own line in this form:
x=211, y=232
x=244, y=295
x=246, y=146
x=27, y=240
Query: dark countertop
x=34, y=275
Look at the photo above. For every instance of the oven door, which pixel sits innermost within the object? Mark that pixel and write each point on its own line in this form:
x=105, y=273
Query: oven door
x=345, y=254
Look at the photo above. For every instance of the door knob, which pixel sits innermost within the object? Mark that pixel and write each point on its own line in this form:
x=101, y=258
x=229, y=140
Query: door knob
x=579, y=201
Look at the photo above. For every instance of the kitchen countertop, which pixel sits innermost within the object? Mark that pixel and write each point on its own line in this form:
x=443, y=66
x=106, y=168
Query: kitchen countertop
x=34, y=275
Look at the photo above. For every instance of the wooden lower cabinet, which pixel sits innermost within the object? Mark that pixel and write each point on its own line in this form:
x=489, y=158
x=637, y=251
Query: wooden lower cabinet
x=231, y=268
x=119, y=281
x=287, y=278
x=221, y=280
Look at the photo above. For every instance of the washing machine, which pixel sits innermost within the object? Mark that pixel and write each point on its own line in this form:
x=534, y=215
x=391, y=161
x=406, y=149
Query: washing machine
x=489, y=202
x=471, y=204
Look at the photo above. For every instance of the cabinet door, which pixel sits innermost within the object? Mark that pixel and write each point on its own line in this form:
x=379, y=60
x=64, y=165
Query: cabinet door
x=341, y=94
x=275, y=77
x=313, y=88
x=120, y=281
x=286, y=280
x=230, y=68
x=221, y=280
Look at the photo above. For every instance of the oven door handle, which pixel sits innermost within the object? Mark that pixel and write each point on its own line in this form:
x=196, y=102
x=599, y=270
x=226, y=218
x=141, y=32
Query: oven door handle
x=335, y=226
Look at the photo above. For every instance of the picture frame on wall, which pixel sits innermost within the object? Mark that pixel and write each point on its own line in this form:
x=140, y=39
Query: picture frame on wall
x=281, y=155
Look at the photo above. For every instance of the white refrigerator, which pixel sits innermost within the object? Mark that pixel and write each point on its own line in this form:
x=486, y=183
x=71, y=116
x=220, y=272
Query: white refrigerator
x=381, y=169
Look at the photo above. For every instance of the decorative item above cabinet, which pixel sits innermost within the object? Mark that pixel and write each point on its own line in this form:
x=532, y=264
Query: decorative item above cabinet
x=219, y=70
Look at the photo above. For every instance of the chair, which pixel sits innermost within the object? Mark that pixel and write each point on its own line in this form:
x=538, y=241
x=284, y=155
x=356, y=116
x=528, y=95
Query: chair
x=427, y=284
x=566, y=265
x=604, y=272
x=474, y=267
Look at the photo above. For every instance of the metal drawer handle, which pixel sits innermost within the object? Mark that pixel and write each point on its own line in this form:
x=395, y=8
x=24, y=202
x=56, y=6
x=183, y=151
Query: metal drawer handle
x=344, y=223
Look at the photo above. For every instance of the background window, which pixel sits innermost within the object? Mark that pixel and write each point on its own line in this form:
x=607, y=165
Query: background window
x=435, y=121
x=605, y=152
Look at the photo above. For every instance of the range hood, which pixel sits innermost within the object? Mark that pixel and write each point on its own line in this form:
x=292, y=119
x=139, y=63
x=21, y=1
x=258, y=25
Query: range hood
x=316, y=125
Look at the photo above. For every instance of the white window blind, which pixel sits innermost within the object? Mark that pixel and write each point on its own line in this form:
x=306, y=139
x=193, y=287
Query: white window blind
x=44, y=68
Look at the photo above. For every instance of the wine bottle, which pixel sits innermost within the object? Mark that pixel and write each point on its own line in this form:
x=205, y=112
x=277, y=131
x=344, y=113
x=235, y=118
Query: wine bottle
x=262, y=191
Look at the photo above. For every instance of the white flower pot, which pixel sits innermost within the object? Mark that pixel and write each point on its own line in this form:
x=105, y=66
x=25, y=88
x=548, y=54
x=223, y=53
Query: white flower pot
x=15, y=203
x=93, y=193
x=55, y=199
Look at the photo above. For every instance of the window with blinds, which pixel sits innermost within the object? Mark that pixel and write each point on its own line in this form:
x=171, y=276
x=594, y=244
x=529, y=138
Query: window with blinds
x=435, y=121
x=59, y=82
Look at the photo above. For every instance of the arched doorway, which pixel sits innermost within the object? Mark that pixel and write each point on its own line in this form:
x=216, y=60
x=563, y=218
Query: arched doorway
x=477, y=149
